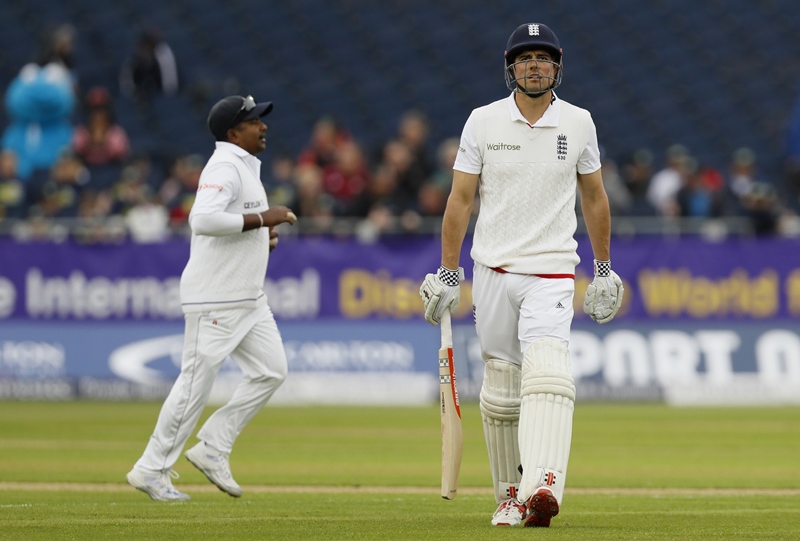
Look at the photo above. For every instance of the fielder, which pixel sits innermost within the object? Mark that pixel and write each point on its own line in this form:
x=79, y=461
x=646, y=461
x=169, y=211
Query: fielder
x=224, y=306
x=527, y=154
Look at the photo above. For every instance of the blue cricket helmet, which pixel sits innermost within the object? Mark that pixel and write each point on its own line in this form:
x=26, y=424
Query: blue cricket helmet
x=532, y=36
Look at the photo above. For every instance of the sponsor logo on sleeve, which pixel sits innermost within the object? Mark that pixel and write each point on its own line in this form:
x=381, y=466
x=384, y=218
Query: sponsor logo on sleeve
x=207, y=186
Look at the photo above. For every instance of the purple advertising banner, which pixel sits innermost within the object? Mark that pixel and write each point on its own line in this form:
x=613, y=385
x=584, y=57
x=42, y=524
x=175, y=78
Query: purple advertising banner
x=666, y=279
x=702, y=323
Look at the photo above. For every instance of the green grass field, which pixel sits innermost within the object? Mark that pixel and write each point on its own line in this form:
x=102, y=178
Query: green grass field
x=636, y=472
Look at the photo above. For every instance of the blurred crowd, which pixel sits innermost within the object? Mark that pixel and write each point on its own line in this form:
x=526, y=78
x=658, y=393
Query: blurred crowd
x=64, y=156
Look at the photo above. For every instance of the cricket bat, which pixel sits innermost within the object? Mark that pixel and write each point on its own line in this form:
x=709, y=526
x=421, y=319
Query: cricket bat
x=452, y=436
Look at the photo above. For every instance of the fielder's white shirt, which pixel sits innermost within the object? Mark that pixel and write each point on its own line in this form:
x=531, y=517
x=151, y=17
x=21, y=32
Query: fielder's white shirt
x=226, y=267
x=528, y=181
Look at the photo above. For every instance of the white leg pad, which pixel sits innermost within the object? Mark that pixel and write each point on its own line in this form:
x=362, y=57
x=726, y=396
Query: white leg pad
x=500, y=413
x=545, y=425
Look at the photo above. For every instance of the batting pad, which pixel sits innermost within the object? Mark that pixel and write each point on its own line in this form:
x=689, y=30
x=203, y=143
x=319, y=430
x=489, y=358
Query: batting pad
x=500, y=413
x=545, y=423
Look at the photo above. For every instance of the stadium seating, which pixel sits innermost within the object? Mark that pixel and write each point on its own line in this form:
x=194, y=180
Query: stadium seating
x=711, y=75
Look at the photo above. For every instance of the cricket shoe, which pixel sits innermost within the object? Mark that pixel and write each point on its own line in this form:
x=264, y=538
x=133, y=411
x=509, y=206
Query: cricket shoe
x=215, y=466
x=542, y=506
x=509, y=513
x=157, y=485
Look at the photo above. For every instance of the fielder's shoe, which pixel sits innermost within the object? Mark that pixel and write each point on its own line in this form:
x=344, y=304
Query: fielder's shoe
x=509, y=513
x=157, y=485
x=215, y=466
x=542, y=506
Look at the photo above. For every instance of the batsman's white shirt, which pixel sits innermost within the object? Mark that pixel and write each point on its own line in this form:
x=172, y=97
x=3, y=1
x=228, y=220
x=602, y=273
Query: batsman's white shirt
x=528, y=181
x=227, y=271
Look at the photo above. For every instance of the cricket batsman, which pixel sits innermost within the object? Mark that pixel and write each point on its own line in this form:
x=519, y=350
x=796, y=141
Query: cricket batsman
x=527, y=154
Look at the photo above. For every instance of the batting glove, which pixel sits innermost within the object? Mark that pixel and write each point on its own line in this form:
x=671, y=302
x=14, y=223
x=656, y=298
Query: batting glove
x=439, y=292
x=604, y=295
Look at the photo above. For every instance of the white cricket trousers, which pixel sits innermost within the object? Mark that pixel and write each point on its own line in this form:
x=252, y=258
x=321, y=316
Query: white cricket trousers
x=512, y=311
x=252, y=339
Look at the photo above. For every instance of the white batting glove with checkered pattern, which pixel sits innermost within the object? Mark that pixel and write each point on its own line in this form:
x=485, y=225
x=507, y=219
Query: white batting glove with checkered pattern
x=441, y=291
x=604, y=295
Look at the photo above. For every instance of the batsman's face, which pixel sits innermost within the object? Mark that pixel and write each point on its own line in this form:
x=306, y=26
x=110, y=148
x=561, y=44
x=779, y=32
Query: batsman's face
x=251, y=135
x=535, y=70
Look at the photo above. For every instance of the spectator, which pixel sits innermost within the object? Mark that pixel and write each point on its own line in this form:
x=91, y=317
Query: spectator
x=407, y=153
x=620, y=201
x=665, y=183
x=378, y=205
x=413, y=131
x=58, y=48
x=40, y=102
x=279, y=185
x=313, y=204
x=636, y=173
x=347, y=177
x=180, y=188
x=101, y=141
x=380, y=219
x=327, y=136
x=432, y=196
x=96, y=223
x=762, y=207
x=12, y=191
x=431, y=200
x=379, y=193
x=56, y=193
x=132, y=189
x=146, y=218
x=619, y=198
x=400, y=158
x=742, y=172
x=702, y=194
x=148, y=168
x=446, y=153
x=792, y=164
x=148, y=222
x=151, y=70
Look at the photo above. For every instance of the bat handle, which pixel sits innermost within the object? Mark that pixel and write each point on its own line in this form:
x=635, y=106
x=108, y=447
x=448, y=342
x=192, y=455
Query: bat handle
x=447, y=329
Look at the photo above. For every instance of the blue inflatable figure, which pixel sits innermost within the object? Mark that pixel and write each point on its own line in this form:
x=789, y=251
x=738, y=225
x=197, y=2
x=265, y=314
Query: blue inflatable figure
x=40, y=102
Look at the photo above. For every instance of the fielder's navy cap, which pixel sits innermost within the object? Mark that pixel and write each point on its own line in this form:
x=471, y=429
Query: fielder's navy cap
x=230, y=111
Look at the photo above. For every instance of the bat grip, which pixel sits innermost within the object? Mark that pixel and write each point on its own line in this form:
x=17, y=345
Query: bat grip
x=447, y=330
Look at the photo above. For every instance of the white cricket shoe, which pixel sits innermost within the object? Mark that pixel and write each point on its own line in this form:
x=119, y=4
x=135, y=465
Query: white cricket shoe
x=157, y=485
x=215, y=466
x=509, y=513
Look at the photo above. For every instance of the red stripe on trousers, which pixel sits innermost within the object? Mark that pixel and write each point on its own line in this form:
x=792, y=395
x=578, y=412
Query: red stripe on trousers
x=504, y=271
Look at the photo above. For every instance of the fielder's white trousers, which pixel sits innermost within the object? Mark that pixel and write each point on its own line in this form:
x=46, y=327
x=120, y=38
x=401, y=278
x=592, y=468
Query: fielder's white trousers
x=252, y=339
x=512, y=311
